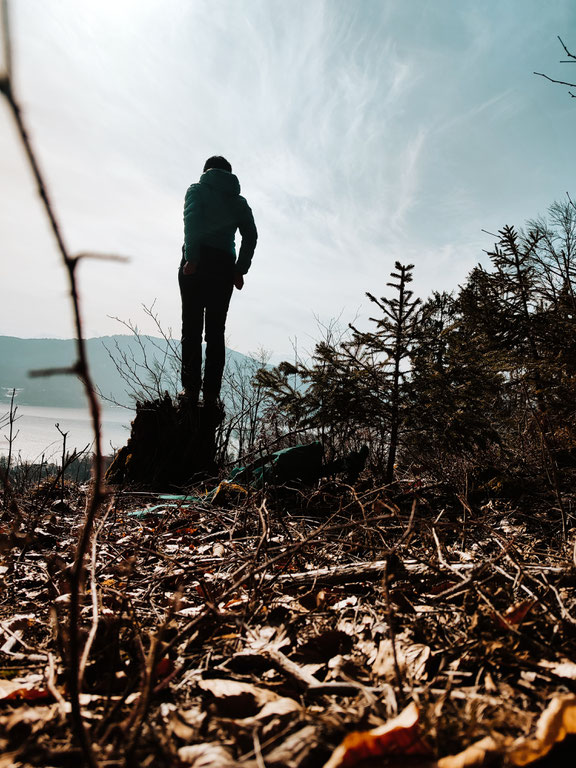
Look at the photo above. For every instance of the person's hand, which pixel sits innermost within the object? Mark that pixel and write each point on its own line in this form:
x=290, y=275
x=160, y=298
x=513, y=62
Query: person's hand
x=189, y=268
x=239, y=280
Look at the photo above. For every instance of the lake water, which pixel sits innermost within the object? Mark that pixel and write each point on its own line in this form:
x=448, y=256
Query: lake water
x=37, y=433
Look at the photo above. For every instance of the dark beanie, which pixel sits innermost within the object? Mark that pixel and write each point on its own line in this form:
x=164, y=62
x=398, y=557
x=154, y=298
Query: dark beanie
x=217, y=161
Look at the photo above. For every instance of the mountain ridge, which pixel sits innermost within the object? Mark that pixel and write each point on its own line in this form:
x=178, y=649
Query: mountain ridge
x=144, y=353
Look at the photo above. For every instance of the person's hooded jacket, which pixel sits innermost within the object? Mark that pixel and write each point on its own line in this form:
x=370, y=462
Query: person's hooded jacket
x=213, y=211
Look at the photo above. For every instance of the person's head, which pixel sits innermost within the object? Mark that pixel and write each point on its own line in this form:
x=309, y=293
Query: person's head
x=217, y=162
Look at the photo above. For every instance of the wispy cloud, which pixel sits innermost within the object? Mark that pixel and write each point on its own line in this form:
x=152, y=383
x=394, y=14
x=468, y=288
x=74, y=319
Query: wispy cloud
x=361, y=132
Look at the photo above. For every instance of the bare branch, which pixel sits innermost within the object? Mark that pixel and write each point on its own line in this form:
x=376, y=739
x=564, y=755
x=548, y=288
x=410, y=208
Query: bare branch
x=570, y=55
x=6, y=71
x=101, y=256
x=552, y=80
x=562, y=82
x=71, y=370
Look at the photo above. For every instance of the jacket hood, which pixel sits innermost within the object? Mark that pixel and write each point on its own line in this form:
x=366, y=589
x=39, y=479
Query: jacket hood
x=223, y=181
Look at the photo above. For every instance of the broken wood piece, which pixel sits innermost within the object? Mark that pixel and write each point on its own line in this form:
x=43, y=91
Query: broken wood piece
x=374, y=570
x=295, y=672
x=310, y=684
x=340, y=574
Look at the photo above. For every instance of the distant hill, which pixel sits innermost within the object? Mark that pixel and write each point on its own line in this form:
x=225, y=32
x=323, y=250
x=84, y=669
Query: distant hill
x=19, y=356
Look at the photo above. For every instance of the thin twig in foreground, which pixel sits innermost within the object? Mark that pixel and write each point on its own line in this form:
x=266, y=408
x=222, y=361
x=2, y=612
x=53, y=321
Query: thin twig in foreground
x=82, y=369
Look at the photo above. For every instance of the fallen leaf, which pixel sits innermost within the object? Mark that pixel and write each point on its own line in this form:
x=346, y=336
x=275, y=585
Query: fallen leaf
x=561, y=668
x=237, y=700
x=28, y=720
x=206, y=756
x=186, y=724
x=473, y=756
x=347, y=602
x=8, y=759
x=30, y=695
x=281, y=706
x=412, y=658
x=163, y=668
x=515, y=614
x=24, y=690
x=14, y=630
x=324, y=646
x=400, y=736
x=291, y=753
x=556, y=722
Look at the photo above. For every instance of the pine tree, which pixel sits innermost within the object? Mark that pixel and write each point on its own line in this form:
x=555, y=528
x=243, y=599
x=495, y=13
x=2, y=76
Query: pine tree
x=334, y=397
x=392, y=339
x=453, y=390
x=502, y=305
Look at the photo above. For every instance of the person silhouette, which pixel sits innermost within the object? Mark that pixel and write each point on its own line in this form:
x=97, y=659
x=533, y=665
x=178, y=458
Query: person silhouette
x=208, y=272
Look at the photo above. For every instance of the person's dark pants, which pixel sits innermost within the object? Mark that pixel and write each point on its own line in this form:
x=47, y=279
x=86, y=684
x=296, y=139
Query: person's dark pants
x=205, y=300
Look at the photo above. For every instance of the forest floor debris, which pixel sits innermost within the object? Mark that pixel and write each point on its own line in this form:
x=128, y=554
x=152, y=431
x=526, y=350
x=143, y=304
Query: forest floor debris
x=292, y=630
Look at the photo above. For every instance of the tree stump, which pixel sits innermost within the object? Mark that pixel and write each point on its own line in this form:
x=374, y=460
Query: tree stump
x=171, y=445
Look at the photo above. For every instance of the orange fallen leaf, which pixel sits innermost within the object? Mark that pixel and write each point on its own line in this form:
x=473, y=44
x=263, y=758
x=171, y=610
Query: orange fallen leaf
x=234, y=601
x=515, y=614
x=29, y=695
x=400, y=736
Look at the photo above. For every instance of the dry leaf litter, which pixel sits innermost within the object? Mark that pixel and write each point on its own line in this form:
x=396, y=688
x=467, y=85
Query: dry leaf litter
x=339, y=628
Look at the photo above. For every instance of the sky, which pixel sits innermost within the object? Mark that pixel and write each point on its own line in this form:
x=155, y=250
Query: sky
x=362, y=132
